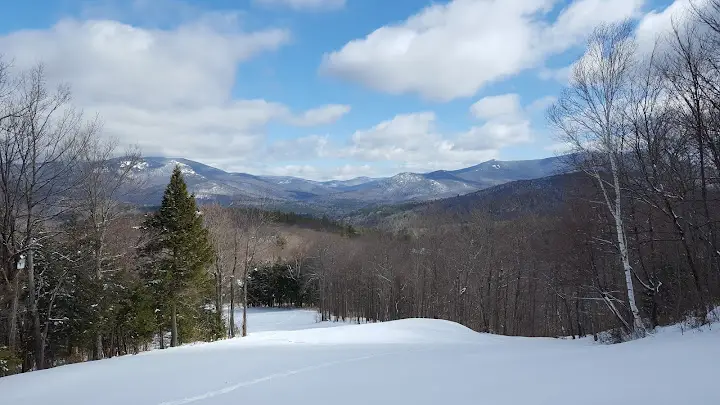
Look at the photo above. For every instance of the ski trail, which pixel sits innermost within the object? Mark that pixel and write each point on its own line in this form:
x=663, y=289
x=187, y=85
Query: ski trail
x=231, y=388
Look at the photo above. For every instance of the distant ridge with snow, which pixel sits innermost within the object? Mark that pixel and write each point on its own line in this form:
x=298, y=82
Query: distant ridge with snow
x=212, y=184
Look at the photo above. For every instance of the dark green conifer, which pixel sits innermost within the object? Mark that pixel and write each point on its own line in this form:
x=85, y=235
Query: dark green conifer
x=179, y=250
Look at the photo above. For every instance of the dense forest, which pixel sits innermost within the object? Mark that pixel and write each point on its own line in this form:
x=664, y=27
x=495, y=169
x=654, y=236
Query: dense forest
x=625, y=243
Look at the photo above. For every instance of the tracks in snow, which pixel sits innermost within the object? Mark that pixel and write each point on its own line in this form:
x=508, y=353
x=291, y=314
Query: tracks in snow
x=230, y=388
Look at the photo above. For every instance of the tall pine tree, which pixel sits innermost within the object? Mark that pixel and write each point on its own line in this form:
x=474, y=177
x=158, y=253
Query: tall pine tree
x=178, y=251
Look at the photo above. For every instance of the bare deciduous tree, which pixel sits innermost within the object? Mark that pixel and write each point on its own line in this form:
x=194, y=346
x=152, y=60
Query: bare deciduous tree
x=225, y=231
x=103, y=177
x=254, y=225
x=590, y=116
x=40, y=152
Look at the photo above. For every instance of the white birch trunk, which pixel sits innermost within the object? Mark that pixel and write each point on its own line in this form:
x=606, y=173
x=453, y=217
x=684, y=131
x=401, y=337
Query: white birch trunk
x=638, y=326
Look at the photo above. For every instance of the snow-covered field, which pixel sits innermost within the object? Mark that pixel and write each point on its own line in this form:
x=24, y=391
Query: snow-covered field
x=289, y=358
x=273, y=319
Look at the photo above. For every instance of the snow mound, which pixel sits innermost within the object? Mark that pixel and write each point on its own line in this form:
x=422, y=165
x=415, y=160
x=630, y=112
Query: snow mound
x=406, y=331
x=402, y=332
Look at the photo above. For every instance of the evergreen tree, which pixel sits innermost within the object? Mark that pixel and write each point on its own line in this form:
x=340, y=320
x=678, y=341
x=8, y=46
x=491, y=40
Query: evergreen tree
x=178, y=251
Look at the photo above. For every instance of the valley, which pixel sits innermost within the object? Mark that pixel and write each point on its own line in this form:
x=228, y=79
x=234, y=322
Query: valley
x=335, y=197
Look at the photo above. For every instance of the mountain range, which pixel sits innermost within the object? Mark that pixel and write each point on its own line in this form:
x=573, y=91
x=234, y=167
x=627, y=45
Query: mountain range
x=210, y=184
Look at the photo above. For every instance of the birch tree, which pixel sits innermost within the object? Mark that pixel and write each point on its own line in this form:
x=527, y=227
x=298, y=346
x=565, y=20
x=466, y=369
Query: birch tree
x=590, y=116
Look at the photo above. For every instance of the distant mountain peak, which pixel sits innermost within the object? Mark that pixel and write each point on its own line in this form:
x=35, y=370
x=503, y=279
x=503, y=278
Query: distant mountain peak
x=141, y=165
x=184, y=168
x=407, y=176
x=297, y=194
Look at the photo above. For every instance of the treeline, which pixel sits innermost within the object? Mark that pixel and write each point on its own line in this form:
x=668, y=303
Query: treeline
x=280, y=285
x=67, y=253
x=83, y=275
x=310, y=222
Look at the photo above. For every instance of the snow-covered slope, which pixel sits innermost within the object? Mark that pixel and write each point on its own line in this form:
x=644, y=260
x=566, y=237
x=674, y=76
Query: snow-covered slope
x=342, y=184
x=415, y=361
x=495, y=172
x=409, y=187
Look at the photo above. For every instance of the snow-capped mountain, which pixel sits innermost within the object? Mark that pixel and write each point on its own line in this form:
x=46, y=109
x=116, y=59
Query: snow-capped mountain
x=408, y=187
x=341, y=184
x=212, y=184
x=494, y=172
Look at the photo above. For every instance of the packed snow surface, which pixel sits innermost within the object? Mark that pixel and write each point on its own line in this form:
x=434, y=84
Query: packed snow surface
x=290, y=358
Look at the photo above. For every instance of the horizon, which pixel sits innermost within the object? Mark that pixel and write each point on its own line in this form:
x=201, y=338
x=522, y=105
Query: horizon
x=349, y=178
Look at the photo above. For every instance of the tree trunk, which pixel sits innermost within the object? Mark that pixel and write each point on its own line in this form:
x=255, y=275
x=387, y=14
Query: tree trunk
x=173, y=320
x=580, y=329
x=688, y=254
x=98, y=274
x=231, y=331
x=218, y=292
x=245, y=304
x=638, y=326
x=13, y=323
x=98, y=346
x=38, y=347
x=703, y=191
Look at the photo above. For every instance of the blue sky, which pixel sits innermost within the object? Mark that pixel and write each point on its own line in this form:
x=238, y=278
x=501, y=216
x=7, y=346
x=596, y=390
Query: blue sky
x=319, y=88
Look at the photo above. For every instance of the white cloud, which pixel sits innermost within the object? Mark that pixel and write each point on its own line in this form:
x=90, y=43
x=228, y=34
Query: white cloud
x=447, y=51
x=307, y=147
x=560, y=75
x=168, y=91
x=413, y=142
x=343, y=172
x=351, y=171
x=326, y=114
x=396, y=139
x=496, y=106
x=651, y=33
x=494, y=135
x=304, y=5
x=582, y=16
x=560, y=148
x=107, y=61
x=505, y=124
x=541, y=104
x=303, y=171
x=658, y=25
